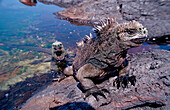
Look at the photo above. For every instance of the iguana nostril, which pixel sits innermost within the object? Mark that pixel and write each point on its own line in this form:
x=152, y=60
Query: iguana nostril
x=144, y=32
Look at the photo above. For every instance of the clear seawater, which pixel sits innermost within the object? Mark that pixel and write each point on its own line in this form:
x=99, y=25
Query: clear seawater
x=35, y=26
x=19, y=23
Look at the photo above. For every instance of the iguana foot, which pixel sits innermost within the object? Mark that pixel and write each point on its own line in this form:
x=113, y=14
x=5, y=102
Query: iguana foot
x=95, y=92
x=132, y=80
x=59, y=77
x=123, y=81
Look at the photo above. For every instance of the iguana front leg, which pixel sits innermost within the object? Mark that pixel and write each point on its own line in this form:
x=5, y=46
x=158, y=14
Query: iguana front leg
x=85, y=75
x=57, y=68
x=123, y=78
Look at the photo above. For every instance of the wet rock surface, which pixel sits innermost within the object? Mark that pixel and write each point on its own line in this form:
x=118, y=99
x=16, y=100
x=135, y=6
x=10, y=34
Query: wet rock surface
x=151, y=91
x=22, y=91
x=154, y=15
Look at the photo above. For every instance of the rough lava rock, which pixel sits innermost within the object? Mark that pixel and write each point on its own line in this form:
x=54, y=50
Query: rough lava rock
x=153, y=14
x=64, y=3
x=151, y=91
x=91, y=12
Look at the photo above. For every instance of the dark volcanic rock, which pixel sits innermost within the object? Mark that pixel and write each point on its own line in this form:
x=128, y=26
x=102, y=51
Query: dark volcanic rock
x=90, y=13
x=151, y=90
x=22, y=91
x=64, y=3
x=153, y=14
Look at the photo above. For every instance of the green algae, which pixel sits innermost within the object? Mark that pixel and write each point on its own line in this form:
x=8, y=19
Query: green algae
x=16, y=66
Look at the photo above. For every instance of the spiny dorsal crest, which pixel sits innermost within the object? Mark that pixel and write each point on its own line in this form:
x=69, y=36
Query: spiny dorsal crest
x=85, y=40
x=105, y=25
x=110, y=25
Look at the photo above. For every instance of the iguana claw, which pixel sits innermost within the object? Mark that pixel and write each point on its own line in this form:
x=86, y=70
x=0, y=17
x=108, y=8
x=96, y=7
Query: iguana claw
x=124, y=80
x=95, y=92
x=132, y=80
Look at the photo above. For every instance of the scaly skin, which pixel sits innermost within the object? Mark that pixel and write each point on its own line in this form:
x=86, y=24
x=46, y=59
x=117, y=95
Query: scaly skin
x=58, y=62
x=106, y=53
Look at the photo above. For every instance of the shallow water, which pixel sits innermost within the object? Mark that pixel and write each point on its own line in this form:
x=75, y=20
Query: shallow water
x=20, y=23
x=31, y=26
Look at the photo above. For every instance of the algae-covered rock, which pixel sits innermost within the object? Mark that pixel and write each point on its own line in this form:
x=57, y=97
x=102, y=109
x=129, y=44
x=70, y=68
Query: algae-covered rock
x=18, y=70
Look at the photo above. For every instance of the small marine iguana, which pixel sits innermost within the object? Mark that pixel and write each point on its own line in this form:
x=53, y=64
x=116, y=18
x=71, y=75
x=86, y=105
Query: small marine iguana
x=61, y=61
x=105, y=55
x=60, y=58
x=58, y=62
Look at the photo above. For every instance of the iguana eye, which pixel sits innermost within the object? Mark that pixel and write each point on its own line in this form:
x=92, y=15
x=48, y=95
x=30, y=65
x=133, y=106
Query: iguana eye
x=131, y=31
x=60, y=45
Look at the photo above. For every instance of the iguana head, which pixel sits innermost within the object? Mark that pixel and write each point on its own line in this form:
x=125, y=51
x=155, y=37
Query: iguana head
x=58, y=50
x=132, y=33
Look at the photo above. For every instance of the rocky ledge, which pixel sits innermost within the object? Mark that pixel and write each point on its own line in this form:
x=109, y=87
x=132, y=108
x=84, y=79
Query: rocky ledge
x=151, y=91
x=153, y=14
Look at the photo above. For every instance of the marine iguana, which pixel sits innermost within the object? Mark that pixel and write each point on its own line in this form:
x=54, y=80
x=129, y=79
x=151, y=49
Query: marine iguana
x=106, y=54
x=61, y=61
x=58, y=62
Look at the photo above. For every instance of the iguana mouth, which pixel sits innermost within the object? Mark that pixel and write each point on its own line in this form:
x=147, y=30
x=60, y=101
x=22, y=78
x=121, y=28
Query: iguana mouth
x=58, y=53
x=139, y=40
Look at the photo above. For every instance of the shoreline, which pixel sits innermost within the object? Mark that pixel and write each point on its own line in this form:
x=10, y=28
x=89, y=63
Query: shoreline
x=153, y=15
x=19, y=93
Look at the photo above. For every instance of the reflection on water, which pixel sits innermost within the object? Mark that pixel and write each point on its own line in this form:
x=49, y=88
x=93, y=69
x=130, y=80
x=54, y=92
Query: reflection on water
x=31, y=26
